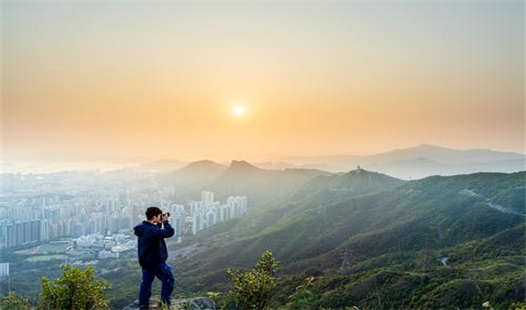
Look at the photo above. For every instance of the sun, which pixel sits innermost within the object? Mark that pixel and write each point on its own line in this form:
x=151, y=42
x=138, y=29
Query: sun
x=239, y=110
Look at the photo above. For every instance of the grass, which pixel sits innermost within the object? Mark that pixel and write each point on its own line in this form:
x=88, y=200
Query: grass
x=52, y=247
x=44, y=258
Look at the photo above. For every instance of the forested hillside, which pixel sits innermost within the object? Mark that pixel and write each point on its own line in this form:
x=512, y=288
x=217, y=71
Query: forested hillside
x=377, y=242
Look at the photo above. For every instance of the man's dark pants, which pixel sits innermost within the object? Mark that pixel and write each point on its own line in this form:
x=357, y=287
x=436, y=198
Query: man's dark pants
x=163, y=272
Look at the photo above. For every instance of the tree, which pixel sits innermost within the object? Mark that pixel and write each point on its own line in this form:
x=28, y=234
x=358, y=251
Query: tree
x=254, y=288
x=14, y=301
x=77, y=289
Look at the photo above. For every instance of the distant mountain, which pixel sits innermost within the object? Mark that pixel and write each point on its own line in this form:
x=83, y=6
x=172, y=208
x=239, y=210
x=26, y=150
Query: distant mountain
x=242, y=178
x=190, y=180
x=327, y=189
x=203, y=168
x=243, y=169
x=422, y=161
x=275, y=165
x=357, y=182
x=261, y=185
x=162, y=165
x=239, y=178
x=446, y=155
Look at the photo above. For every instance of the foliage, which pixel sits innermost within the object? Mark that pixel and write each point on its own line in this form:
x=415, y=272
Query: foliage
x=518, y=306
x=254, y=288
x=302, y=298
x=76, y=289
x=13, y=301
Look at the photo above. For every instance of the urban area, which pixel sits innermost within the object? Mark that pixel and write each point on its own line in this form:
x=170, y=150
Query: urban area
x=95, y=212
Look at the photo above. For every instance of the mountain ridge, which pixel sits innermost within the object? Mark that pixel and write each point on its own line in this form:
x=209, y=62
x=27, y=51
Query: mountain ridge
x=408, y=163
x=384, y=232
x=405, y=163
x=422, y=161
x=411, y=163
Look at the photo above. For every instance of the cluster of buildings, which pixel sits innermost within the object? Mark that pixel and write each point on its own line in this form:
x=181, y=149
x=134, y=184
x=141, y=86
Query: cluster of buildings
x=39, y=208
x=208, y=212
x=102, y=247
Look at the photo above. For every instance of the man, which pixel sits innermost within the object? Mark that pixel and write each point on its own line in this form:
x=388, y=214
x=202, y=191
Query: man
x=152, y=255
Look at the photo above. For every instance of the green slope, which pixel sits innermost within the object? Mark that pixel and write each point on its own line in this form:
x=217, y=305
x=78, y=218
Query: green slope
x=388, y=234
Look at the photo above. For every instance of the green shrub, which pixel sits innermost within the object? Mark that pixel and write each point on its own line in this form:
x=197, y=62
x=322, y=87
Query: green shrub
x=254, y=288
x=15, y=302
x=77, y=289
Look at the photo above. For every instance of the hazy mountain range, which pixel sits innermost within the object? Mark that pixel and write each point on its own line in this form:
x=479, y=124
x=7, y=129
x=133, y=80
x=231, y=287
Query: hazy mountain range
x=410, y=163
x=421, y=161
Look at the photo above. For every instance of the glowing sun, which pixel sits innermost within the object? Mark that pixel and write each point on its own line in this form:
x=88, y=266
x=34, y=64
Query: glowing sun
x=239, y=110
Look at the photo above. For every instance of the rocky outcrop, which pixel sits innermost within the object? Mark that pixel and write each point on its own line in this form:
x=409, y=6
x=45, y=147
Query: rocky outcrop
x=196, y=303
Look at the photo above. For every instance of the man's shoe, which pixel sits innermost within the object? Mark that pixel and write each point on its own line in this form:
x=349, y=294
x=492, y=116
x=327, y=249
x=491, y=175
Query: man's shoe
x=163, y=304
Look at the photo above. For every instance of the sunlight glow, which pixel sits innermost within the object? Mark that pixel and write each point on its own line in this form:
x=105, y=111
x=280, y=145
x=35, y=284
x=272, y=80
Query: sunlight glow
x=239, y=110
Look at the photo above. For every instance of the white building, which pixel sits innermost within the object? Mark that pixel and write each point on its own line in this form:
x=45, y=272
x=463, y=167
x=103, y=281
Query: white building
x=208, y=212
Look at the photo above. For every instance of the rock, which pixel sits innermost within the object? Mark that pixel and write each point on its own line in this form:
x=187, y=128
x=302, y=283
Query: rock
x=196, y=303
x=154, y=305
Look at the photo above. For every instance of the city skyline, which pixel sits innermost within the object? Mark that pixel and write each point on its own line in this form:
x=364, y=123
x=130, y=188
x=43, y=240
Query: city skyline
x=193, y=80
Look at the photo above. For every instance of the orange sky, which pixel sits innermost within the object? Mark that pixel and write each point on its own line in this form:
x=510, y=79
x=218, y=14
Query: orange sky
x=159, y=80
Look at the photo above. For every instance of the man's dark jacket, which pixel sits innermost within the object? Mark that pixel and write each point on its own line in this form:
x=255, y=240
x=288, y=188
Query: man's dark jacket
x=151, y=246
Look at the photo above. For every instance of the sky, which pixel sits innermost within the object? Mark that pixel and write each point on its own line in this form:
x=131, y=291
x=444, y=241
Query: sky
x=161, y=79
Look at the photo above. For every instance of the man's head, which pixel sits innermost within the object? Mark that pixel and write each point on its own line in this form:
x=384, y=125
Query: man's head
x=152, y=212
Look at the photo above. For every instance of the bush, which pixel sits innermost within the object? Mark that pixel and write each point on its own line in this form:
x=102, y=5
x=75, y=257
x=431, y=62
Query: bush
x=254, y=288
x=77, y=289
x=14, y=301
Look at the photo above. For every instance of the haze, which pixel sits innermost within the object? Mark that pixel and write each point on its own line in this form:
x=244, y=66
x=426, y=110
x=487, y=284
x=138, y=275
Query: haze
x=162, y=79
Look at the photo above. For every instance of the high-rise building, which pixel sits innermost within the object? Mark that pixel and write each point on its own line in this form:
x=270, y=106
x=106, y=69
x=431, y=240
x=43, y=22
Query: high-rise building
x=207, y=198
x=44, y=230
